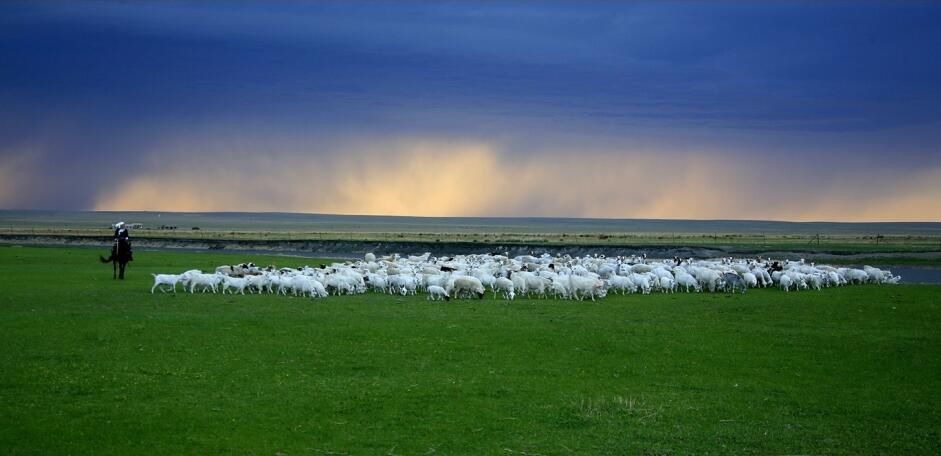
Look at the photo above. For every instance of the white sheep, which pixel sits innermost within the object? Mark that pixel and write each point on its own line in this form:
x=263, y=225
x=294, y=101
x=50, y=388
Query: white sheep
x=815, y=281
x=667, y=284
x=641, y=282
x=731, y=281
x=834, y=279
x=465, y=285
x=622, y=284
x=436, y=293
x=486, y=278
x=440, y=280
x=762, y=275
x=279, y=282
x=207, y=281
x=506, y=286
x=558, y=289
x=257, y=282
x=402, y=283
x=751, y=280
x=707, y=278
x=187, y=276
x=579, y=287
x=785, y=281
x=378, y=282
x=306, y=285
x=236, y=283
x=165, y=279
x=562, y=276
x=686, y=281
x=877, y=275
x=856, y=276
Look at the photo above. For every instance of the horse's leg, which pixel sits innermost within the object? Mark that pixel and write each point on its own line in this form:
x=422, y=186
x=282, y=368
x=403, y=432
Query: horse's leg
x=121, y=275
x=114, y=265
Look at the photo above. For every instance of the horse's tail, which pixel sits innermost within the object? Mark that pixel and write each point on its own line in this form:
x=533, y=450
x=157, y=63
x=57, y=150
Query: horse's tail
x=106, y=260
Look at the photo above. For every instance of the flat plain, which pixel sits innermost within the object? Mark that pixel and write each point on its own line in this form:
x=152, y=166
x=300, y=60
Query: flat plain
x=914, y=240
x=94, y=365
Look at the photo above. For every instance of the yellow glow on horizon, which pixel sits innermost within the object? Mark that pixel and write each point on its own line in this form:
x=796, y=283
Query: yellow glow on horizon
x=446, y=178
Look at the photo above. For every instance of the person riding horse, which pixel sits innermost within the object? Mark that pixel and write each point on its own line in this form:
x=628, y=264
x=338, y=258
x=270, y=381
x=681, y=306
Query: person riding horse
x=120, y=250
x=122, y=242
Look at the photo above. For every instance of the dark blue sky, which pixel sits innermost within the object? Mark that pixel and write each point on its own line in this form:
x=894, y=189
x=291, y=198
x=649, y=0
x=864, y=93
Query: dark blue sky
x=836, y=105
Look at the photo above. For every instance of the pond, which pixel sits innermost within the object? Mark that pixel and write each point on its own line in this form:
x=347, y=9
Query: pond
x=915, y=274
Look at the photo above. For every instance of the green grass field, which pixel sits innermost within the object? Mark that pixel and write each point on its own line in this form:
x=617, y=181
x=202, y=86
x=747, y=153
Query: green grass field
x=96, y=366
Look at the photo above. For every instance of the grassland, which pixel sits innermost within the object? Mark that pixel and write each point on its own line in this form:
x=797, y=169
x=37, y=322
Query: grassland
x=93, y=365
x=837, y=243
x=267, y=227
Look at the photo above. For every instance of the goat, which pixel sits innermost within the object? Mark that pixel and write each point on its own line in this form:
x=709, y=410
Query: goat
x=165, y=279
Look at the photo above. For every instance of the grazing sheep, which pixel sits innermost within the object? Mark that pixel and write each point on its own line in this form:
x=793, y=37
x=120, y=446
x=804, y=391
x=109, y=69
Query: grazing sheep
x=856, y=276
x=377, y=282
x=732, y=281
x=506, y=286
x=751, y=280
x=338, y=284
x=563, y=276
x=622, y=284
x=785, y=282
x=318, y=290
x=641, y=282
x=465, y=286
x=763, y=277
x=877, y=275
x=667, y=284
x=436, y=293
x=404, y=284
x=707, y=278
x=686, y=281
x=579, y=287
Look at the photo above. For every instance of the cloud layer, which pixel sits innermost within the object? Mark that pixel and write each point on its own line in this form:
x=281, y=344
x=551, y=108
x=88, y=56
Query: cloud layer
x=767, y=110
x=433, y=177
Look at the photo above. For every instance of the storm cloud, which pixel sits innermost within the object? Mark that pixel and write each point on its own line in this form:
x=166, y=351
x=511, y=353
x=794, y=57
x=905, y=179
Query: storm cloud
x=774, y=110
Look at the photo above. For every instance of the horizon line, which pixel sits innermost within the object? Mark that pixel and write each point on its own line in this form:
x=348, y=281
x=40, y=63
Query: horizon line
x=541, y=217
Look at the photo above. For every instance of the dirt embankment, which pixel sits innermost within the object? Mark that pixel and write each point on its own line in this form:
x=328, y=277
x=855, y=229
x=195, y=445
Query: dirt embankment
x=355, y=249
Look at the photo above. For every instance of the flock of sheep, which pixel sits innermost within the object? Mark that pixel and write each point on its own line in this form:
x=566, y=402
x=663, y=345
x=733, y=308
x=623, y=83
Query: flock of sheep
x=473, y=276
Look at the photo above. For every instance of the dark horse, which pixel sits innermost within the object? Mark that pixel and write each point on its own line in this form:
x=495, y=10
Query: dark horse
x=120, y=256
